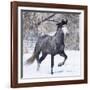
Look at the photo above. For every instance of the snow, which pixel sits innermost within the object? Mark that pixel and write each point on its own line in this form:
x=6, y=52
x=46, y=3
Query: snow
x=72, y=66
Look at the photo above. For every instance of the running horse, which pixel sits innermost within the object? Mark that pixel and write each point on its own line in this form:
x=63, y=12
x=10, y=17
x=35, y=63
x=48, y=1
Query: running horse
x=52, y=45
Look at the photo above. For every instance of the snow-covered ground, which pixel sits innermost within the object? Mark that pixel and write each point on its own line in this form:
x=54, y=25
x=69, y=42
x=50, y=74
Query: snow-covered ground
x=72, y=66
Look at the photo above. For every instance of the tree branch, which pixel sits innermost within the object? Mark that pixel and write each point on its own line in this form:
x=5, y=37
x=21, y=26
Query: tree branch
x=53, y=20
x=46, y=19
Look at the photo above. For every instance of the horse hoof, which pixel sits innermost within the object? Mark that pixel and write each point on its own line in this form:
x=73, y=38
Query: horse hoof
x=38, y=66
x=52, y=73
x=60, y=64
x=38, y=69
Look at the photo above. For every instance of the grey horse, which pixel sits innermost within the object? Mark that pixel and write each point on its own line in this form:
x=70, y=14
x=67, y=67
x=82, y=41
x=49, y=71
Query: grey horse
x=50, y=45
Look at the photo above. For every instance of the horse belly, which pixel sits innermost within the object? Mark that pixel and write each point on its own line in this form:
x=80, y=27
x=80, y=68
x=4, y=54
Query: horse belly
x=46, y=48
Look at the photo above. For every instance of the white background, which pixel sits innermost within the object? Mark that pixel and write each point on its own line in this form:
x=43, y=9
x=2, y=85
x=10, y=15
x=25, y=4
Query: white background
x=5, y=46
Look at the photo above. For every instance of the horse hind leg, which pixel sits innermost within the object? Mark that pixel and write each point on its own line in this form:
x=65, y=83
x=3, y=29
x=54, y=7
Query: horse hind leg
x=38, y=65
x=65, y=57
x=40, y=60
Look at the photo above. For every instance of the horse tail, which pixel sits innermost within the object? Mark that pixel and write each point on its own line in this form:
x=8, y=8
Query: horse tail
x=31, y=59
x=35, y=54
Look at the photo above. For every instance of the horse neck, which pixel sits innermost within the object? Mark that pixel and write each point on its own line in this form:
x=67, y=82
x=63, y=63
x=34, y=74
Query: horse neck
x=59, y=36
x=59, y=32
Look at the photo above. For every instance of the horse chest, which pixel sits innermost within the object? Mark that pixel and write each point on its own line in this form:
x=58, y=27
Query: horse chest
x=57, y=45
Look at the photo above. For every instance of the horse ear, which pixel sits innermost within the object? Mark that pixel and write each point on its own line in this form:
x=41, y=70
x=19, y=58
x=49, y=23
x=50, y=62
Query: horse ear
x=64, y=21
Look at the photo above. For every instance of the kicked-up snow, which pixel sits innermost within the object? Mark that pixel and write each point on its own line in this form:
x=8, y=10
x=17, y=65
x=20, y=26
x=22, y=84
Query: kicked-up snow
x=72, y=66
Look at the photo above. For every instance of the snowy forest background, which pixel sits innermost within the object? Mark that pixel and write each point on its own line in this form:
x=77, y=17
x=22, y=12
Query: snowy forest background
x=36, y=23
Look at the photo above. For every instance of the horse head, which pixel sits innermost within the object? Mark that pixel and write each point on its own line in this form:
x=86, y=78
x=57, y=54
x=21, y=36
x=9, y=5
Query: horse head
x=63, y=26
x=63, y=22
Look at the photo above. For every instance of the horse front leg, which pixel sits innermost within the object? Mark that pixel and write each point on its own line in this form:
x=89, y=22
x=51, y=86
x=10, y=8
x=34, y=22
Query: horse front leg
x=52, y=63
x=65, y=57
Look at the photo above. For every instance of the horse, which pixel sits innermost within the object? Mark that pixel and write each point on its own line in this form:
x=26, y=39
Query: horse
x=50, y=45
